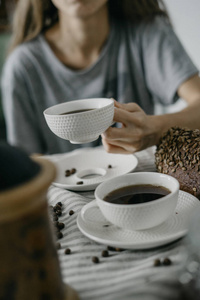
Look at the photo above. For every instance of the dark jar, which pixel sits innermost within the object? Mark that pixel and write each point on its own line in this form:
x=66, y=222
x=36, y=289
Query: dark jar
x=29, y=266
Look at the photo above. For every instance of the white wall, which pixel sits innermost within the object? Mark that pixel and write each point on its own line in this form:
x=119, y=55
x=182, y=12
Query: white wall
x=185, y=17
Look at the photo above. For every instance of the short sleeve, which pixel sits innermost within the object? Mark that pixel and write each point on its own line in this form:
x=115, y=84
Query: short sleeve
x=21, y=121
x=165, y=61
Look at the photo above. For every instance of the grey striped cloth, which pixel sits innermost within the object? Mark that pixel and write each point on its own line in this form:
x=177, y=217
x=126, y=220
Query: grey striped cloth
x=128, y=274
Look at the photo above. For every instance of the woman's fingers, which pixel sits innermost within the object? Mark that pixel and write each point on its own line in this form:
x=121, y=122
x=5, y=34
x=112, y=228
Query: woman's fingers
x=138, y=130
x=131, y=107
x=129, y=144
x=126, y=117
x=111, y=148
x=113, y=133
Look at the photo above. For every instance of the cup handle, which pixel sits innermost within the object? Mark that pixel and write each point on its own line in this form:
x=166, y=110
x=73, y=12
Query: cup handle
x=92, y=204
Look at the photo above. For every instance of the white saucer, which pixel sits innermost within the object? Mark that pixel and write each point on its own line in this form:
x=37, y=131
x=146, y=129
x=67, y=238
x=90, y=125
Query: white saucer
x=172, y=229
x=91, y=161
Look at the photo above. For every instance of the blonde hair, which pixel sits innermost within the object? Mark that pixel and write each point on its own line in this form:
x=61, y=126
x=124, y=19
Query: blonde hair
x=32, y=17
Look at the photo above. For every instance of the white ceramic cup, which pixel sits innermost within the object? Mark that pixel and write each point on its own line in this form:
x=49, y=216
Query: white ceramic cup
x=82, y=127
x=137, y=216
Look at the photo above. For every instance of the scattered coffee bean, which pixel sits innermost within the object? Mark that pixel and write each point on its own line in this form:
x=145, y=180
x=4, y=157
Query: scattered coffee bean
x=105, y=253
x=59, y=235
x=157, y=262
x=57, y=206
x=119, y=249
x=109, y=167
x=58, y=209
x=60, y=225
x=59, y=213
x=68, y=251
x=70, y=172
x=71, y=212
x=167, y=261
x=79, y=182
x=67, y=173
x=110, y=248
x=73, y=170
x=95, y=259
x=57, y=226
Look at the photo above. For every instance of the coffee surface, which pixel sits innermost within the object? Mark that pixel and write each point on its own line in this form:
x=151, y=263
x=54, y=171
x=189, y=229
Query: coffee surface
x=77, y=111
x=136, y=194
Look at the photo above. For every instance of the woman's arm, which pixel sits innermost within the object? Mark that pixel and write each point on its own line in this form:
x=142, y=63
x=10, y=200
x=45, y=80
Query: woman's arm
x=140, y=131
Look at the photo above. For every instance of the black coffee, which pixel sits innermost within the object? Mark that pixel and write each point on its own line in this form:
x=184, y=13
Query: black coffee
x=77, y=111
x=135, y=194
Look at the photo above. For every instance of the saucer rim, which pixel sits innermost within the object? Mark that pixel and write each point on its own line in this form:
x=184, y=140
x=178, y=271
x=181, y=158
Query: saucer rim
x=142, y=244
x=91, y=186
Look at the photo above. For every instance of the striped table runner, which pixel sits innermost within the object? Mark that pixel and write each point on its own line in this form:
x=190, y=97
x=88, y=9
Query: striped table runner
x=124, y=275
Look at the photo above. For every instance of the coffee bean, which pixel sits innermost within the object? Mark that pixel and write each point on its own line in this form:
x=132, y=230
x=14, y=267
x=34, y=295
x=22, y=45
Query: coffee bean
x=95, y=259
x=60, y=225
x=59, y=213
x=59, y=203
x=59, y=235
x=67, y=173
x=104, y=253
x=110, y=248
x=55, y=218
x=73, y=170
x=119, y=249
x=157, y=262
x=167, y=261
x=68, y=251
x=58, y=206
x=71, y=212
x=58, y=210
x=109, y=167
x=115, y=249
x=79, y=182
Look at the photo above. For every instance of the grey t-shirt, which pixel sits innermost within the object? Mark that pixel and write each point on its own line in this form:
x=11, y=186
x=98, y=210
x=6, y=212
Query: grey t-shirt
x=142, y=63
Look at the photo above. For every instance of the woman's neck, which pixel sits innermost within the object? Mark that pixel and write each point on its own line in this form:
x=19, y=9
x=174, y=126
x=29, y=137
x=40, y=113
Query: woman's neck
x=77, y=42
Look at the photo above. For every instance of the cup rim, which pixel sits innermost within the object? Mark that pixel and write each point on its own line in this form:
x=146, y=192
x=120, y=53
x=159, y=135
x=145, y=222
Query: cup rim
x=48, y=111
x=138, y=205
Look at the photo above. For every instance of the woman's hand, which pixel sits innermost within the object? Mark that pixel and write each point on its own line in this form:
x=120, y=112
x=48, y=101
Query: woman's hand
x=138, y=130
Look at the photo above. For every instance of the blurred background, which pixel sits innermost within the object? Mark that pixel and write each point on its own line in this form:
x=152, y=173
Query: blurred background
x=6, y=12
x=185, y=18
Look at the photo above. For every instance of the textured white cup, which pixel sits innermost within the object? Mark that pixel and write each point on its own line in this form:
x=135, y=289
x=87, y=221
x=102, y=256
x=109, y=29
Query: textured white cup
x=81, y=127
x=138, y=216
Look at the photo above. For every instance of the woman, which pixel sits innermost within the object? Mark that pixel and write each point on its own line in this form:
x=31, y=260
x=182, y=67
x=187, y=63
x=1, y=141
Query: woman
x=72, y=49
